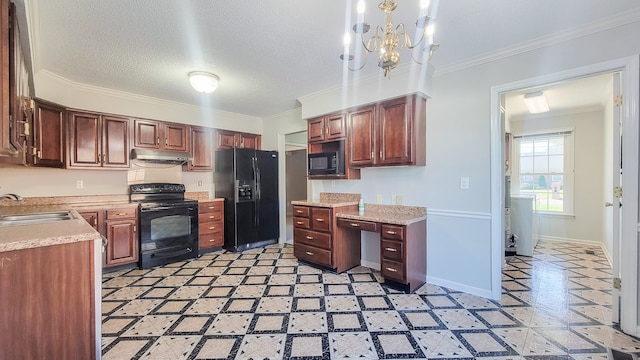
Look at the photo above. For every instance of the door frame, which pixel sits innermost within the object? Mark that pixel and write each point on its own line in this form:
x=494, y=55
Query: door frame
x=282, y=186
x=630, y=148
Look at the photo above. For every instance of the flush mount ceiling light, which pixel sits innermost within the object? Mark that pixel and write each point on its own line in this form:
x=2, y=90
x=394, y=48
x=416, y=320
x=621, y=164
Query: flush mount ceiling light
x=536, y=102
x=387, y=40
x=202, y=81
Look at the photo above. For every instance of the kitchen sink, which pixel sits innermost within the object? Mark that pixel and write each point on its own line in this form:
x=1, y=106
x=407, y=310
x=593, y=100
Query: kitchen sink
x=35, y=218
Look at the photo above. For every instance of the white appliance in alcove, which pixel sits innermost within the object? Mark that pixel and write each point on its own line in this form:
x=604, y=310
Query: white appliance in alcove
x=523, y=223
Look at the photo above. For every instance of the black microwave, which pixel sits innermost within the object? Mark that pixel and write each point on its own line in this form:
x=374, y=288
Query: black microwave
x=326, y=163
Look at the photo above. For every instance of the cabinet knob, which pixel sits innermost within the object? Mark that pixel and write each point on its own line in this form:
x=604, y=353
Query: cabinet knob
x=390, y=249
x=391, y=269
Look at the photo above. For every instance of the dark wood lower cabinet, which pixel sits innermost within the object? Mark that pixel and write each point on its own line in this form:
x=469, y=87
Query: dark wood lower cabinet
x=47, y=297
x=119, y=228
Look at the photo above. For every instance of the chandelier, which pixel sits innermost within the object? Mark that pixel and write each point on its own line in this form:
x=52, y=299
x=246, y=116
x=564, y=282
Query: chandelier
x=387, y=39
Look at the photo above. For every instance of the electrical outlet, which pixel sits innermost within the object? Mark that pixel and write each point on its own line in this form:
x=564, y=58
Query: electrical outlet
x=464, y=183
x=79, y=184
x=200, y=183
x=379, y=199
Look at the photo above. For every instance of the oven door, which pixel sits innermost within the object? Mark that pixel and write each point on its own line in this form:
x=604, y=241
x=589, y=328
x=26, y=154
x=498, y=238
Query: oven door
x=168, y=234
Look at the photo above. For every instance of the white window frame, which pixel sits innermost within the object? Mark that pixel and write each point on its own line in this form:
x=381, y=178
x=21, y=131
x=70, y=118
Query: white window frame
x=568, y=167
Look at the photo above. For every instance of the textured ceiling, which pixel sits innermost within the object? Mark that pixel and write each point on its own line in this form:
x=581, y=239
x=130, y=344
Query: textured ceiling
x=267, y=53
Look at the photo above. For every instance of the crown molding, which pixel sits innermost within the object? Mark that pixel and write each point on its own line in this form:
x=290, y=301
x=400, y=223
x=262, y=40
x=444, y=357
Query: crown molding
x=544, y=41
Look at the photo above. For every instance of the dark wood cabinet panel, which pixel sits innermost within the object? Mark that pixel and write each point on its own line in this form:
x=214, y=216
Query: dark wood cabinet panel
x=201, y=149
x=115, y=139
x=330, y=127
x=48, y=301
x=49, y=138
x=175, y=137
x=396, y=133
x=98, y=140
x=122, y=245
x=227, y=139
x=315, y=129
x=147, y=134
x=210, y=225
x=84, y=140
x=6, y=149
x=362, y=148
x=153, y=134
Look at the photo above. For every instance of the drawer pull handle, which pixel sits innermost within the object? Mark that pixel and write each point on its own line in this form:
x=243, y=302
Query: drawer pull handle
x=211, y=227
x=309, y=237
x=212, y=217
x=391, y=232
x=355, y=225
x=391, y=249
x=212, y=240
x=309, y=253
x=320, y=220
x=212, y=207
x=299, y=222
x=298, y=211
x=122, y=214
x=391, y=269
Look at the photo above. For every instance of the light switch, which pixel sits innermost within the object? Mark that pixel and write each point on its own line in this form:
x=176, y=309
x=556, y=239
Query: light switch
x=464, y=183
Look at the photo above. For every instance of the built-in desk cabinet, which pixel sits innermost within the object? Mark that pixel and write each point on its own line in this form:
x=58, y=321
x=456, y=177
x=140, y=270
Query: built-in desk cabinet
x=318, y=240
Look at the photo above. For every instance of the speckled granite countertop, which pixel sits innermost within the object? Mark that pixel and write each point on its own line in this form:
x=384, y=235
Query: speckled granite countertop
x=18, y=237
x=389, y=214
x=331, y=200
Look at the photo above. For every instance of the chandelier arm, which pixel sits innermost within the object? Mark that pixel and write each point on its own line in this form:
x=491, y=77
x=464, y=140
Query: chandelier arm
x=366, y=56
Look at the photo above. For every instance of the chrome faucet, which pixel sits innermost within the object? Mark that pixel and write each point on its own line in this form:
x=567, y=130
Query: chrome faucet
x=11, y=196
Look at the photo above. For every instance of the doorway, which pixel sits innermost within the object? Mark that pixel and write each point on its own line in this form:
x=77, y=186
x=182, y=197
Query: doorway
x=296, y=175
x=628, y=251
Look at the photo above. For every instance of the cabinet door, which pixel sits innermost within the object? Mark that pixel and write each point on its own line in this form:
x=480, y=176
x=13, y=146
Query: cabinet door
x=315, y=129
x=335, y=126
x=175, y=137
x=362, y=147
x=146, y=134
x=122, y=246
x=225, y=139
x=5, y=136
x=84, y=140
x=250, y=141
x=48, y=135
x=92, y=217
x=201, y=149
x=115, y=141
x=395, y=121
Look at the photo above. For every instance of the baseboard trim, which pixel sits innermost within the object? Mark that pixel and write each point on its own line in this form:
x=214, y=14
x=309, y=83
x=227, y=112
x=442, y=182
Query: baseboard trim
x=459, y=287
x=370, y=264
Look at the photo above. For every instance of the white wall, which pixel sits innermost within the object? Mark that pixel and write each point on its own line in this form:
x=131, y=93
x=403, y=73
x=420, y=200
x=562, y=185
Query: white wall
x=607, y=191
x=587, y=224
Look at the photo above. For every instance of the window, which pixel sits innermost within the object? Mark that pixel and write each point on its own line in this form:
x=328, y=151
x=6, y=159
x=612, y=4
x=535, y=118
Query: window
x=545, y=170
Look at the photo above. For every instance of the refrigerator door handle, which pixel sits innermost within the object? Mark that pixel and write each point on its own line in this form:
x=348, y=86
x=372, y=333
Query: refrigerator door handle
x=256, y=170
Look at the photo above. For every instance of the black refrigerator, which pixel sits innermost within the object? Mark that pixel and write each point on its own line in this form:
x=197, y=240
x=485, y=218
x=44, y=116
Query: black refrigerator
x=248, y=181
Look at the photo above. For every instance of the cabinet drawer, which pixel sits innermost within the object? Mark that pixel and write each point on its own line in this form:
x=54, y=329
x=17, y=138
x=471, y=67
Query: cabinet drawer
x=211, y=240
x=300, y=222
x=210, y=206
x=392, y=270
x=359, y=225
x=392, y=250
x=321, y=219
x=312, y=254
x=209, y=217
x=302, y=211
x=312, y=238
x=114, y=214
x=210, y=227
x=393, y=232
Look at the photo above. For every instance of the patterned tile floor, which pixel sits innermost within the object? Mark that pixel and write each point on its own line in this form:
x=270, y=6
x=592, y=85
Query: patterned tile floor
x=263, y=304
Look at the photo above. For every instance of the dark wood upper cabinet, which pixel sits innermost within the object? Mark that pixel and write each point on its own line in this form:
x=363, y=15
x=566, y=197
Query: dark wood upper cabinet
x=326, y=128
x=49, y=138
x=389, y=133
x=362, y=147
x=98, y=140
x=227, y=139
x=201, y=149
x=152, y=134
x=6, y=149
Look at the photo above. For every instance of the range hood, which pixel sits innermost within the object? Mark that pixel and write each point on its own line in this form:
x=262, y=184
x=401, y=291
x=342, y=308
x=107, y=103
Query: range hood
x=161, y=156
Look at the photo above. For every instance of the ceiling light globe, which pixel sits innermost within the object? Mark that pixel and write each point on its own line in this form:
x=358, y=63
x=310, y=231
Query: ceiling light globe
x=203, y=82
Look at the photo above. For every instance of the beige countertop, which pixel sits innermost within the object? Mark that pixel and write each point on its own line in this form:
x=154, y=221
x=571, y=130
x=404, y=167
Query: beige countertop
x=18, y=237
x=327, y=204
x=394, y=214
